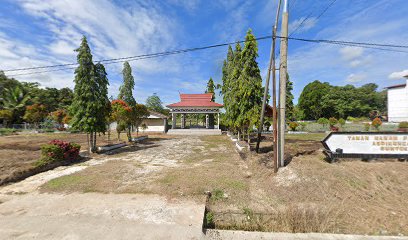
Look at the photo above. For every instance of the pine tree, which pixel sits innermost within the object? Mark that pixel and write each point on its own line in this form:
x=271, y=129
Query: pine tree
x=211, y=88
x=232, y=95
x=85, y=105
x=126, y=90
x=290, y=108
x=250, y=85
x=225, y=89
x=103, y=99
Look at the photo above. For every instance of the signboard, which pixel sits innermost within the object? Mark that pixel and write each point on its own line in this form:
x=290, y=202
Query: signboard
x=367, y=144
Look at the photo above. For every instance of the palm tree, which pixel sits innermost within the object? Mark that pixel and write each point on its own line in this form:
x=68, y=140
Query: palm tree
x=15, y=100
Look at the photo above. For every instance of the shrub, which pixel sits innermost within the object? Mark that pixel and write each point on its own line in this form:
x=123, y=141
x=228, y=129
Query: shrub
x=302, y=126
x=403, y=125
x=323, y=121
x=376, y=123
x=293, y=126
x=333, y=121
x=342, y=122
x=366, y=127
x=58, y=150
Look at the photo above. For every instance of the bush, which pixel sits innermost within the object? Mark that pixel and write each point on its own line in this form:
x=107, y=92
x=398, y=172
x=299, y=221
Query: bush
x=342, y=122
x=376, y=123
x=333, y=121
x=58, y=150
x=293, y=126
x=7, y=131
x=302, y=126
x=366, y=127
x=403, y=125
x=323, y=121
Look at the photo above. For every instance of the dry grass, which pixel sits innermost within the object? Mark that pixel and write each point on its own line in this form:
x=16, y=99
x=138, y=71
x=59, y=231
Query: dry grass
x=308, y=195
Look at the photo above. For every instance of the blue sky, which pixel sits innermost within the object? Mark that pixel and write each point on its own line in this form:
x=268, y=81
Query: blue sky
x=38, y=33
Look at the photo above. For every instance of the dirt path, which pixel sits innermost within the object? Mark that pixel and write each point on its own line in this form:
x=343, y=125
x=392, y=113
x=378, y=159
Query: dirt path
x=26, y=213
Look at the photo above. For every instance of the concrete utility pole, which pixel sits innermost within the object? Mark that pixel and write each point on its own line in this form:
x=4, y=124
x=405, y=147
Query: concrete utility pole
x=268, y=76
x=283, y=70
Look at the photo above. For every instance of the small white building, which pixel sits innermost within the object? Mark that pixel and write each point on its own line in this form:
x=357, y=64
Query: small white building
x=398, y=102
x=155, y=122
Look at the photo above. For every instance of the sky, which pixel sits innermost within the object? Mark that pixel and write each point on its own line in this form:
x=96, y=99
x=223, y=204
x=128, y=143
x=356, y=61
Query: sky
x=46, y=32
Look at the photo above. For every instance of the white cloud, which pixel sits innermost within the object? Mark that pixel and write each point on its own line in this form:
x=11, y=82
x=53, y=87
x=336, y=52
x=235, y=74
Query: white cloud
x=398, y=75
x=306, y=25
x=350, y=53
x=355, y=78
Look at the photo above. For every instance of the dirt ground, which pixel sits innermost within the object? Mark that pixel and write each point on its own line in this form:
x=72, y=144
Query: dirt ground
x=18, y=153
x=308, y=195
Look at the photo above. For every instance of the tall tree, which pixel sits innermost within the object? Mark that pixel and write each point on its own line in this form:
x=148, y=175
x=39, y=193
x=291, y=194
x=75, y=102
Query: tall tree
x=104, y=107
x=290, y=113
x=250, y=86
x=226, y=87
x=126, y=90
x=154, y=103
x=15, y=99
x=232, y=94
x=86, y=102
x=211, y=88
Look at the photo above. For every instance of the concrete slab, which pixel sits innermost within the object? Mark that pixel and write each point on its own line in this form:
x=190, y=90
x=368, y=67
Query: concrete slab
x=196, y=131
x=243, y=235
x=99, y=216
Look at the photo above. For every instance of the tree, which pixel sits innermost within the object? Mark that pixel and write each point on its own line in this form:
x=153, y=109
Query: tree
x=6, y=116
x=290, y=108
x=323, y=121
x=231, y=94
x=211, y=88
x=139, y=112
x=35, y=113
x=15, y=100
x=126, y=90
x=87, y=101
x=104, y=106
x=310, y=99
x=227, y=70
x=154, y=103
x=58, y=116
x=121, y=113
x=250, y=86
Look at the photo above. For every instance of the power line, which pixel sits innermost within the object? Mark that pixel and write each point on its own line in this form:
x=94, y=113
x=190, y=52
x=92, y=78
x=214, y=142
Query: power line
x=377, y=46
x=143, y=55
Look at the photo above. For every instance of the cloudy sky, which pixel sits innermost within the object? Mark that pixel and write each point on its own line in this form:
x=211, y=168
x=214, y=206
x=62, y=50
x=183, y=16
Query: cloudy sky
x=39, y=33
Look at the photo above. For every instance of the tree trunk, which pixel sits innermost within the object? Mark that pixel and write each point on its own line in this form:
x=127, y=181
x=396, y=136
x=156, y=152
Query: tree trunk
x=87, y=141
x=118, y=135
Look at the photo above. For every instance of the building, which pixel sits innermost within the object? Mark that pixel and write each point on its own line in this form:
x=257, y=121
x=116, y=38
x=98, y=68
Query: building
x=196, y=104
x=155, y=122
x=398, y=102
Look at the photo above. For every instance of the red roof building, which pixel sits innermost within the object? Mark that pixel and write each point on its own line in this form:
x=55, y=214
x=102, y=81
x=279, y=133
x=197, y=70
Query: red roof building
x=193, y=104
x=195, y=100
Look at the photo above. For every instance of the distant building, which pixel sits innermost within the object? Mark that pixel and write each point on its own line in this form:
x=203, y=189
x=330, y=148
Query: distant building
x=155, y=122
x=398, y=102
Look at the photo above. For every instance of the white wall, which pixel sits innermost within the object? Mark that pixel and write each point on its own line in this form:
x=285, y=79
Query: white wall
x=398, y=104
x=153, y=125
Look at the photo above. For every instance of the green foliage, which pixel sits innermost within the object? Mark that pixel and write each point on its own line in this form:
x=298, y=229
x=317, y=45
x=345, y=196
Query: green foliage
x=58, y=150
x=211, y=88
x=376, y=123
x=403, y=125
x=209, y=219
x=366, y=127
x=250, y=89
x=6, y=115
x=302, y=126
x=59, y=116
x=342, y=122
x=293, y=126
x=333, y=121
x=323, y=121
x=7, y=131
x=35, y=113
x=126, y=90
x=290, y=108
x=15, y=99
x=324, y=100
x=218, y=194
x=154, y=103
x=90, y=103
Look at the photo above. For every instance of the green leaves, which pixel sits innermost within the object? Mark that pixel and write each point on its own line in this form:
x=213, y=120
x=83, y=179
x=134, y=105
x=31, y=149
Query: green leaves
x=126, y=90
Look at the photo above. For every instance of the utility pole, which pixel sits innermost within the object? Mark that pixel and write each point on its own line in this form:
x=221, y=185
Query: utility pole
x=268, y=76
x=283, y=70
